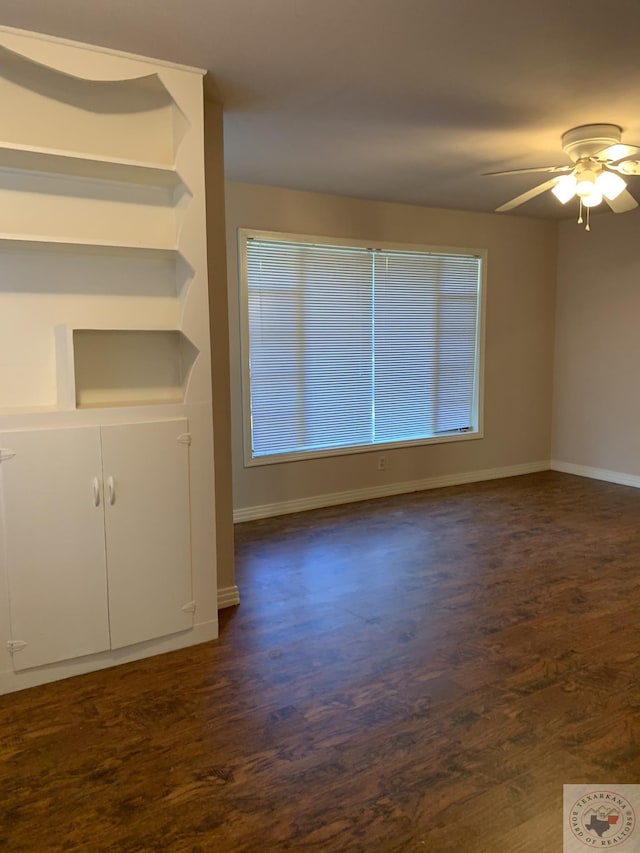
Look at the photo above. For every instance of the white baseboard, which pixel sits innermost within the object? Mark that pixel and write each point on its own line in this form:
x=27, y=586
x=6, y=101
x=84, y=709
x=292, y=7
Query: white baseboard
x=286, y=507
x=596, y=473
x=228, y=596
x=11, y=681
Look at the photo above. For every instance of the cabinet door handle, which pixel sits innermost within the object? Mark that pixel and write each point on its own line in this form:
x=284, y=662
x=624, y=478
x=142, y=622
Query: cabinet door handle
x=112, y=491
x=96, y=491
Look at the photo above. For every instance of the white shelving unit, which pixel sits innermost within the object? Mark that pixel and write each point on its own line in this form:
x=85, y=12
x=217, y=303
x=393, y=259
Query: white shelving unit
x=103, y=323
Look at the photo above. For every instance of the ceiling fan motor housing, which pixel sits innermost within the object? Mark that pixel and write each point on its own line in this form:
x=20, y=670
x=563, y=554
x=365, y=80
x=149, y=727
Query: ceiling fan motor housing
x=588, y=139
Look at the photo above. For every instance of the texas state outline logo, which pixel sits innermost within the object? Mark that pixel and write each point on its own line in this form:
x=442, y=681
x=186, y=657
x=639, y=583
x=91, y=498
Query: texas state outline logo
x=601, y=818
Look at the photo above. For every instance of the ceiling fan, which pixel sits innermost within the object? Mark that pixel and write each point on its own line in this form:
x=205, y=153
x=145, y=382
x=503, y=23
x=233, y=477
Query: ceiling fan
x=599, y=158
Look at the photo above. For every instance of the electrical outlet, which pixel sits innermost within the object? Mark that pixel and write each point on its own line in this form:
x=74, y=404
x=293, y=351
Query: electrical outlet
x=382, y=463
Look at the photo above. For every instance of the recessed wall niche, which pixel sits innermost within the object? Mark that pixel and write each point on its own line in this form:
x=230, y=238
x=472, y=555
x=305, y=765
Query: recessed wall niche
x=114, y=367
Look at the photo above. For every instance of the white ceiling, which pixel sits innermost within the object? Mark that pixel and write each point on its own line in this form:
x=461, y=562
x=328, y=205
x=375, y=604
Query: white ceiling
x=399, y=100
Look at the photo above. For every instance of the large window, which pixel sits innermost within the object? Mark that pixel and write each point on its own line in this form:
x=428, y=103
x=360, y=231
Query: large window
x=348, y=347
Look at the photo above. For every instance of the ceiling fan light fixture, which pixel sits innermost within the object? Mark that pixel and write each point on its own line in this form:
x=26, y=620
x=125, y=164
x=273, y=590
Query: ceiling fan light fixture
x=586, y=183
x=565, y=188
x=610, y=185
x=593, y=199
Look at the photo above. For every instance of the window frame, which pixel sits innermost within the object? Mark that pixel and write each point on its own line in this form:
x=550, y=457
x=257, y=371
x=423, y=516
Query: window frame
x=477, y=432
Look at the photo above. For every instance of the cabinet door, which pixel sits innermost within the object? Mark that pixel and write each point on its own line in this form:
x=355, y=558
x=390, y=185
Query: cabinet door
x=53, y=530
x=146, y=474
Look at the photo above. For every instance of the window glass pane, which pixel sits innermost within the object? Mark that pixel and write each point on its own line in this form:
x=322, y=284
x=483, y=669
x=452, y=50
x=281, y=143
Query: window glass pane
x=456, y=359
x=310, y=346
x=405, y=348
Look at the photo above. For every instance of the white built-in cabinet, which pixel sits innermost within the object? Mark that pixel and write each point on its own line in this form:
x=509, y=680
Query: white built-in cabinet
x=106, y=483
x=97, y=540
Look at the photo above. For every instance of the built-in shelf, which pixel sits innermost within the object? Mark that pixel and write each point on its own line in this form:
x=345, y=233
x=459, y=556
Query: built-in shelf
x=60, y=207
x=78, y=165
x=129, y=119
x=129, y=282
x=91, y=210
x=33, y=242
x=116, y=367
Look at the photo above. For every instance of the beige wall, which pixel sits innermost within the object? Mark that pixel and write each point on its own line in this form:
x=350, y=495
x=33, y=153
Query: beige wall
x=519, y=338
x=596, y=413
x=214, y=173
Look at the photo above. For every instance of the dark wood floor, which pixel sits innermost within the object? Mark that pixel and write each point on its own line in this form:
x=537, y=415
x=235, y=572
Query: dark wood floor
x=415, y=673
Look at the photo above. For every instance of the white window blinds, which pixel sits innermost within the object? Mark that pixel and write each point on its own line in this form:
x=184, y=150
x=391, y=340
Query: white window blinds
x=352, y=347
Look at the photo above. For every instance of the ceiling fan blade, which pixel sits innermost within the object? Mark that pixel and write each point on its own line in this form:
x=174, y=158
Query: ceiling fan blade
x=555, y=169
x=618, y=152
x=521, y=199
x=622, y=203
x=626, y=167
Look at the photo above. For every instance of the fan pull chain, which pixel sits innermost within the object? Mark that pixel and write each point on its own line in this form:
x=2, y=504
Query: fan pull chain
x=587, y=227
